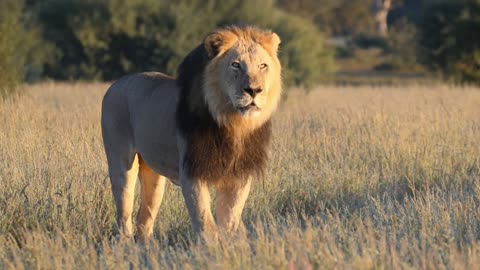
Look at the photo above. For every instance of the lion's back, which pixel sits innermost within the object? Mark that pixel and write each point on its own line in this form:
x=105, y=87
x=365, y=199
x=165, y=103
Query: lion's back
x=126, y=96
x=138, y=112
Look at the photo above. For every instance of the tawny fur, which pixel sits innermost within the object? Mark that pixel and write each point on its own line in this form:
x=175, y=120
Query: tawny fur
x=203, y=129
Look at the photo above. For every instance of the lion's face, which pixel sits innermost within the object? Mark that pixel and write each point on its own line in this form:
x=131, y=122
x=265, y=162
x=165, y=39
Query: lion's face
x=243, y=78
x=247, y=70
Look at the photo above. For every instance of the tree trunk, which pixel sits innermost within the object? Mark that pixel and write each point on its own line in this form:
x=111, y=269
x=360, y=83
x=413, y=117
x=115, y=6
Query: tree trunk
x=382, y=7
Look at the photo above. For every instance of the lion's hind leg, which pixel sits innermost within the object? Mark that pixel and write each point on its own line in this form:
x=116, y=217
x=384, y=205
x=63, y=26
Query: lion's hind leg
x=123, y=180
x=121, y=155
x=152, y=190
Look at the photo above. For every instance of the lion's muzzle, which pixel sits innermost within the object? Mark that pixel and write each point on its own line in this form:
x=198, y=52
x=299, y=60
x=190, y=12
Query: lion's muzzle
x=253, y=91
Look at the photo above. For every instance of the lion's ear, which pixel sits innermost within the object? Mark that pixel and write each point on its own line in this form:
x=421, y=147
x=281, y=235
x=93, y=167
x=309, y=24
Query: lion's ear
x=217, y=42
x=275, y=41
x=270, y=42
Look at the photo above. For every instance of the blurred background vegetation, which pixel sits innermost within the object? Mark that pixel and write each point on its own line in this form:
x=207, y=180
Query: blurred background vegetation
x=322, y=40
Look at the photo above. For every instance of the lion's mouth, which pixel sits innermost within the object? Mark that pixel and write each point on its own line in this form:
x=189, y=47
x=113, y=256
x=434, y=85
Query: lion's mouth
x=249, y=108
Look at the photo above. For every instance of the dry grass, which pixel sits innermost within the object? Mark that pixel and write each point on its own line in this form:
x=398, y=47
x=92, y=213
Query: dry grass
x=360, y=178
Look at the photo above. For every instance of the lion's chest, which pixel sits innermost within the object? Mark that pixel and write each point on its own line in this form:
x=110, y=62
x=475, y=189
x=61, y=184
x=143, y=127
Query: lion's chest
x=214, y=154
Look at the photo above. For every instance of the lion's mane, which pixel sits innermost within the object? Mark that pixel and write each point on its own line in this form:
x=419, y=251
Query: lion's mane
x=212, y=150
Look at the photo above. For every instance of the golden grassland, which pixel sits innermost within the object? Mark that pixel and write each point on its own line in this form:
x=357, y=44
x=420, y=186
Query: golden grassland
x=359, y=178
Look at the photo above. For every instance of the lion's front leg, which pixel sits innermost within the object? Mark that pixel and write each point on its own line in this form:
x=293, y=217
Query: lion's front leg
x=197, y=198
x=230, y=203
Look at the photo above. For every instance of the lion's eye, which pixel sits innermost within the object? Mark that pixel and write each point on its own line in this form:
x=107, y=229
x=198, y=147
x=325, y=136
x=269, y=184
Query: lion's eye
x=263, y=66
x=236, y=65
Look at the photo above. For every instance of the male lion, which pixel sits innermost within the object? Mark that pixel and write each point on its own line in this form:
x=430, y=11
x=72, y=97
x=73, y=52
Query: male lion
x=210, y=127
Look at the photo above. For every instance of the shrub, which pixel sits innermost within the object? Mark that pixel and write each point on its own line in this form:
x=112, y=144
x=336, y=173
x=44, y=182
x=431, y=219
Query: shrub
x=449, y=39
x=22, y=51
x=306, y=60
x=12, y=57
x=107, y=39
x=402, y=49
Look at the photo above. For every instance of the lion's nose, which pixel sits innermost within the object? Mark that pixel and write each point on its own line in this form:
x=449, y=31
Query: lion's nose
x=253, y=91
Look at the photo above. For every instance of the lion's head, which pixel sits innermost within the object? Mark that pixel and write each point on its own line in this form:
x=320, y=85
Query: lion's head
x=242, y=81
x=229, y=87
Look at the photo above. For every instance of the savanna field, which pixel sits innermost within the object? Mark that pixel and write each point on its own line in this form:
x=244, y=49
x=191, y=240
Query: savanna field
x=359, y=178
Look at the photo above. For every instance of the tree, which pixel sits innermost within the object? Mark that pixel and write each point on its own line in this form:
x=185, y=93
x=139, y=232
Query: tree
x=382, y=8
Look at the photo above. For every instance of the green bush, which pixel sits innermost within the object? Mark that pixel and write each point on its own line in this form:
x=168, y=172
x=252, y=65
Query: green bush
x=401, y=49
x=305, y=59
x=22, y=51
x=12, y=58
x=449, y=39
x=103, y=40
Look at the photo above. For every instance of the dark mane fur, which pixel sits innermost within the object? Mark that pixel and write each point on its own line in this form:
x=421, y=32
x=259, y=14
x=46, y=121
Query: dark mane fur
x=211, y=154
